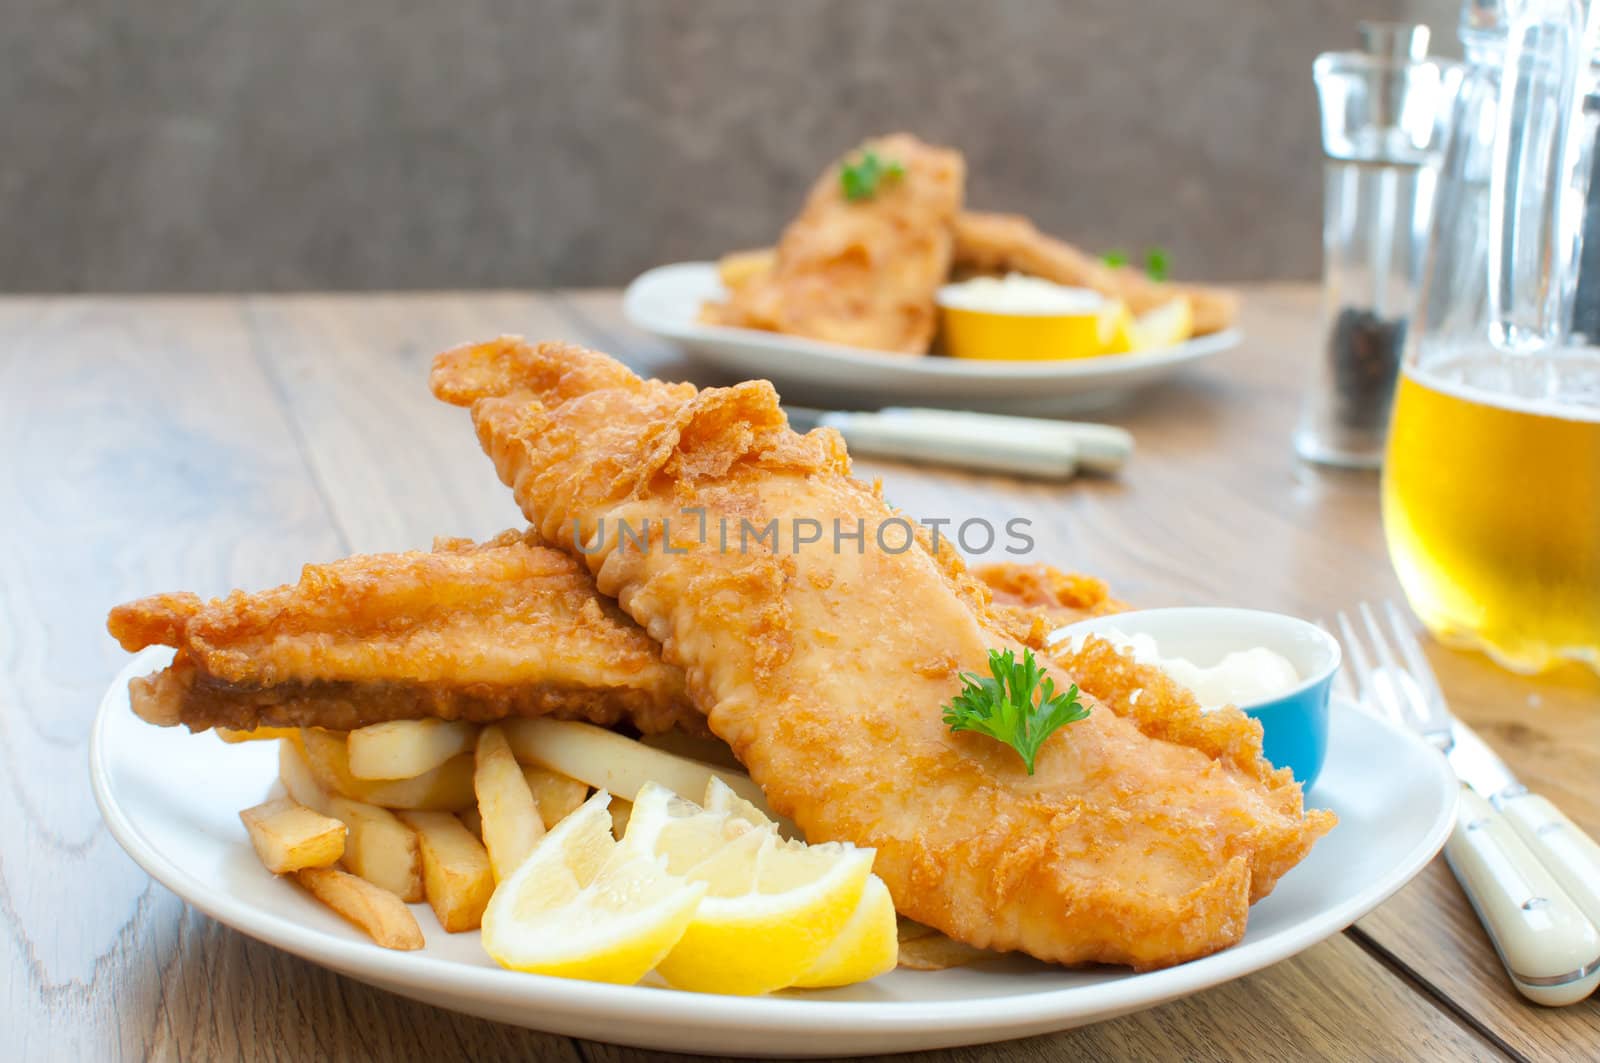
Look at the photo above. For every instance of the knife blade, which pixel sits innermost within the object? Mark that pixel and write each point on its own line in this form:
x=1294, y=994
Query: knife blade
x=1019, y=446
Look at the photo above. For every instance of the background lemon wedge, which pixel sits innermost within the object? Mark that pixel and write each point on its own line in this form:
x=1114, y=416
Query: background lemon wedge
x=1166, y=326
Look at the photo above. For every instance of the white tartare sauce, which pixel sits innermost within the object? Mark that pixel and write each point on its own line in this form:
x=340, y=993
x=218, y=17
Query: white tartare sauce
x=1242, y=677
x=1019, y=294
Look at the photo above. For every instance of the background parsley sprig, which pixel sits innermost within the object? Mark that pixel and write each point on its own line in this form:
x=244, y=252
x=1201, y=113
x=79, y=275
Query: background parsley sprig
x=861, y=179
x=1156, y=262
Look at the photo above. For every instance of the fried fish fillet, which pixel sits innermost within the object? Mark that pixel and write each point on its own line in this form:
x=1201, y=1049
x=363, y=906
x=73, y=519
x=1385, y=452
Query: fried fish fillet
x=1149, y=827
x=508, y=628
x=1043, y=596
x=862, y=273
x=247, y=661
x=1007, y=243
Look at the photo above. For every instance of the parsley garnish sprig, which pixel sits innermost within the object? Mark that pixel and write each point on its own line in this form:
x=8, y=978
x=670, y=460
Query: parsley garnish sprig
x=1017, y=704
x=1156, y=262
x=860, y=179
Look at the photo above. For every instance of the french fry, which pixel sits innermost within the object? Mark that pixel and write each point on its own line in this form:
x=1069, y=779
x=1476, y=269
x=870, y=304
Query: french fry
x=511, y=822
x=456, y=875
x=288, y=836
x=711, y=751
x=260, y=734
x=380, y=848
x=294, y=771
x=738, y=268
x=556, y=795
x=384, y=917
x=472, y=820
x=404, y=749
x=446, y=788
x=609, y=761
x=935, y=952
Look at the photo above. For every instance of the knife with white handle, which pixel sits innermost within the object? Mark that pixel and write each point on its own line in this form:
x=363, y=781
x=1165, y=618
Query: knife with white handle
x=1546, y=942
x=1019, y=446
x=1570, y=854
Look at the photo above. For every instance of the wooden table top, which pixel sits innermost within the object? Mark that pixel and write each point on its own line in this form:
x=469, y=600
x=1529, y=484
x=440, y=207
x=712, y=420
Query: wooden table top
x=206, y=443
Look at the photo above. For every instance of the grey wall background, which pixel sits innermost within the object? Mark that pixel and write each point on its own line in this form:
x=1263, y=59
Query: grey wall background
x=218, y=145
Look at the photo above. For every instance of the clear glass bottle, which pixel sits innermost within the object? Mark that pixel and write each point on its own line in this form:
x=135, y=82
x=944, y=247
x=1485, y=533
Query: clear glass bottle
x=1383, y=112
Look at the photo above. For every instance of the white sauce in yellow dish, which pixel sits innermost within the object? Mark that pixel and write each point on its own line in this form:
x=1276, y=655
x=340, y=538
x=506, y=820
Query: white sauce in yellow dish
x=1019, y=294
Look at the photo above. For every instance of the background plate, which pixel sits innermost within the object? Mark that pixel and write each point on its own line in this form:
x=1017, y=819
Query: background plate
x=666, y=300
x=172, y=800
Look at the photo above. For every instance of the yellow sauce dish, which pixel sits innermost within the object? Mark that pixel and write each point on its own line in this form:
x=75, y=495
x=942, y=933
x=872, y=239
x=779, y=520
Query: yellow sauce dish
x=1021, y=318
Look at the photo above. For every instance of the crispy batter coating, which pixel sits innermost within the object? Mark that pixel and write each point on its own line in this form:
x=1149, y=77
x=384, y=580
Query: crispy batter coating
x=1045, y=597
x=508, y=628
x=1005, y=243
x=1146, y=831
x=862, y=273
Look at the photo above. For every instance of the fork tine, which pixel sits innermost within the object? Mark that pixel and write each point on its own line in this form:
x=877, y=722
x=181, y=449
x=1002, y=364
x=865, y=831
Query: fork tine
x=1399, y=705
x=1342, y=685
x=1405, y=637
x=1421, y=685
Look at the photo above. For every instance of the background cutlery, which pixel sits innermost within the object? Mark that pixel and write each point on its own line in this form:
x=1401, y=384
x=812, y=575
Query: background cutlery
x=1021, y=446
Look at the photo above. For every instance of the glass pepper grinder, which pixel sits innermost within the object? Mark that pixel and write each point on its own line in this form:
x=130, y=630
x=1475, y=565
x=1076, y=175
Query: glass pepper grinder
x=1383, y=119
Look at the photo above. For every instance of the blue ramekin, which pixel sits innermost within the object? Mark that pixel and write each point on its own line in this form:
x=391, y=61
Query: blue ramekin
x=1294, y=723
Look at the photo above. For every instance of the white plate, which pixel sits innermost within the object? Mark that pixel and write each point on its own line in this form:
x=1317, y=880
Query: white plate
x=666, y=301
x=172, y=799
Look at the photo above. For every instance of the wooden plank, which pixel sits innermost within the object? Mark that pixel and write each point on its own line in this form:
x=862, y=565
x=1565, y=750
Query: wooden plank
x=226, y=996
x=595, y=315
x=397, y=466
x=1430, y=931
x=142, y=452
x=1331, y=1002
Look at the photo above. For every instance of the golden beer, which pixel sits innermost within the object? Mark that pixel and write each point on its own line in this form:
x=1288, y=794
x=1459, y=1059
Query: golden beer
x=1491, y=504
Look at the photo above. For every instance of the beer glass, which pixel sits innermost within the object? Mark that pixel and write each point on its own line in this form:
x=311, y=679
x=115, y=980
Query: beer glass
x=1491, y=492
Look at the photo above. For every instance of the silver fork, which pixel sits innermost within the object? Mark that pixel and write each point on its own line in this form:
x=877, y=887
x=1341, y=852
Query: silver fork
x=1531, y=874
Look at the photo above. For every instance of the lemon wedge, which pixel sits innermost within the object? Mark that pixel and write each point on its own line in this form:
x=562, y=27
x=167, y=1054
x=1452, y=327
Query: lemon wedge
x=712, y=898
x=1166, y=326
x=1117, y=326
x=583, y=906
x=772, y=908
x=868, y=945
x=720, y=797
